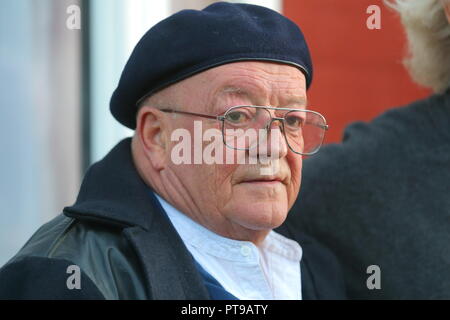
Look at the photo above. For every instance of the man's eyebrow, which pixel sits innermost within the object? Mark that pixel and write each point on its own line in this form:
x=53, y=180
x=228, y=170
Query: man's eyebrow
x=300, y=100
x=230, y=89
x=235, y=90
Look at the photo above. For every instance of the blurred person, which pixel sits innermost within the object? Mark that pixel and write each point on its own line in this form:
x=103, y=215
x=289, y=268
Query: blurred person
x=381, y=198
x=145, y=227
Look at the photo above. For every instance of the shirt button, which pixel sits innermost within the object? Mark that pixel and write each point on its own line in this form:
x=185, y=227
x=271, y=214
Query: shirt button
x=245, y=251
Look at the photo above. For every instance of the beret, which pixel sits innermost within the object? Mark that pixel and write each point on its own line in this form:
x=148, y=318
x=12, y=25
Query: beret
x=192, y=41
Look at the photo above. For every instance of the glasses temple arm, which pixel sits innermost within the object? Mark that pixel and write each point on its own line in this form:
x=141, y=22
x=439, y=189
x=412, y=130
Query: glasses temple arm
x=190, y=113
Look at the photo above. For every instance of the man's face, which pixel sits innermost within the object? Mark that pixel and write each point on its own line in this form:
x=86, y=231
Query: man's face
x=237, y=199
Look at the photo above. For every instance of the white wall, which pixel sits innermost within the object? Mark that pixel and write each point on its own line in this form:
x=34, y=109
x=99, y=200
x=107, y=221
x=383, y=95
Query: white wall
x=39, y=117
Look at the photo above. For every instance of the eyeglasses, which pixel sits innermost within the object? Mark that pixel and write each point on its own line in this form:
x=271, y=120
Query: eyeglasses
x=304, y=130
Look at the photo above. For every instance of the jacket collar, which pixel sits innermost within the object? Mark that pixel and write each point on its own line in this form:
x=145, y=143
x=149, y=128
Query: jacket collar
x=113, y=192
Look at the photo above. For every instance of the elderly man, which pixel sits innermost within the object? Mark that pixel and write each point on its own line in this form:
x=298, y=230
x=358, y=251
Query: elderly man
x=381, y=199
x=147, y=227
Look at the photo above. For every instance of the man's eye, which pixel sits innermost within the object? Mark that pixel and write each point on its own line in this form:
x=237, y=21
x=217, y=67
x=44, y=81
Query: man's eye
x=294, y=121
x=237, y=117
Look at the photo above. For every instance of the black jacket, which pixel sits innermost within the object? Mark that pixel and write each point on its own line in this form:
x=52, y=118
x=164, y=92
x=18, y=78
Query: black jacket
x=126, y=248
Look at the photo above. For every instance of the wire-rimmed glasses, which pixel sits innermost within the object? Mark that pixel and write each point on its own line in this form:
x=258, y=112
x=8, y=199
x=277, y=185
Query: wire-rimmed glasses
x=304, y=130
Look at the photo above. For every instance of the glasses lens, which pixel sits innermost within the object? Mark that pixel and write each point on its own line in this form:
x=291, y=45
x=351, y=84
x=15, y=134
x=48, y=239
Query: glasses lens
x=304, y=131
x=238, y=117
x=241, y=126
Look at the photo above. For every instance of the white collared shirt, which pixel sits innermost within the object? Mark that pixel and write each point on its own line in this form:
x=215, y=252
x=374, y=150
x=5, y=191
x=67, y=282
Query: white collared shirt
x=268, y=272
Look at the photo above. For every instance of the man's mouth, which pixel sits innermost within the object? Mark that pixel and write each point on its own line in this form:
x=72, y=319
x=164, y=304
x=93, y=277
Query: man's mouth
x=264, y=180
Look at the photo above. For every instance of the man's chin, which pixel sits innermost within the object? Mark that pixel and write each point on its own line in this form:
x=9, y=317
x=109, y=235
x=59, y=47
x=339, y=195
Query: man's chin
x=266, y=218
x=254, y=192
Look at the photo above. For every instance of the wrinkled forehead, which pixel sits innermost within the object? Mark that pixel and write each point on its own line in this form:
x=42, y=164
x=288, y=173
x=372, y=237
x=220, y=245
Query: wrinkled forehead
x=250, y=82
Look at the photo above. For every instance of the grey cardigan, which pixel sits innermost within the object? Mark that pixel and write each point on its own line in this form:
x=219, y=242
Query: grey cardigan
x=382, y=197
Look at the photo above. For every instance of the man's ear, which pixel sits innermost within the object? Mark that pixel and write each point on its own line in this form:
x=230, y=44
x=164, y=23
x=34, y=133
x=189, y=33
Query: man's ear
x=152, y=135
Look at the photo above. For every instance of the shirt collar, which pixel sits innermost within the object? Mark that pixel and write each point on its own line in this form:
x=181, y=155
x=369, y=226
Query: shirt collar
x=196, y=235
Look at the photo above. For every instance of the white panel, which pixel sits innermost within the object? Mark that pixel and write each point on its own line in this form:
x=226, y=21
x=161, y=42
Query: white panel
x=39, y=117
x=272, y=4
x=116, y=27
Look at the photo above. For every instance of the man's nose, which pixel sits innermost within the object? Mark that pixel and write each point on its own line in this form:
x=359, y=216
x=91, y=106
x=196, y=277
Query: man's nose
x=271, y=140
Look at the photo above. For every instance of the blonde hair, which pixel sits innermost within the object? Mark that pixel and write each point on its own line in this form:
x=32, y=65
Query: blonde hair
x=428, y=33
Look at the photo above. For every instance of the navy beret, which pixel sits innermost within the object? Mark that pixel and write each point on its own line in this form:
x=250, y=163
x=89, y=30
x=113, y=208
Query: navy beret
x=192, y=41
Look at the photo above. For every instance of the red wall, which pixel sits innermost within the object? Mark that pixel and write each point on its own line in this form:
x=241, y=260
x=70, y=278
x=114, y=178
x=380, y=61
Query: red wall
x=358, y=73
